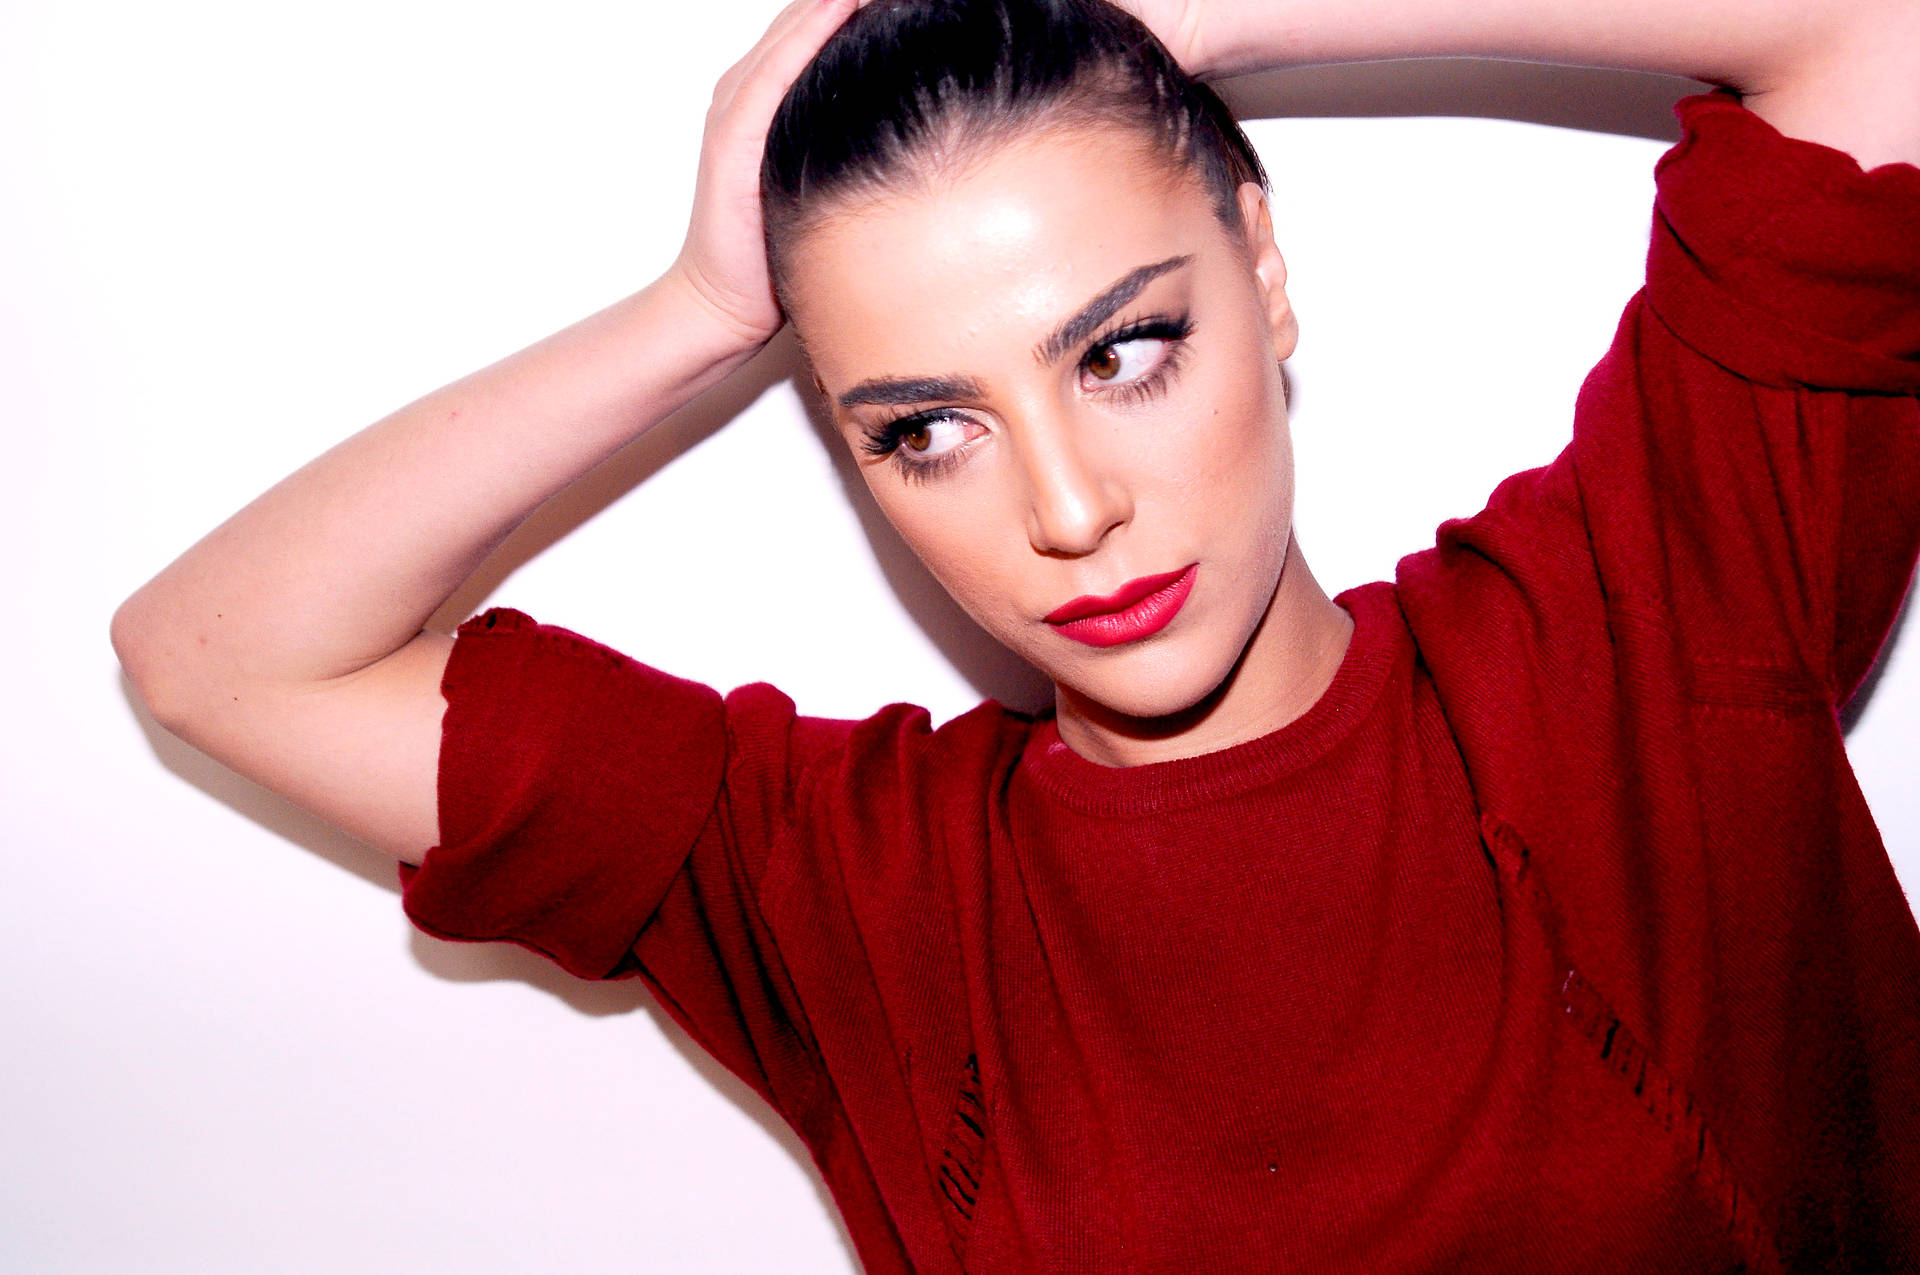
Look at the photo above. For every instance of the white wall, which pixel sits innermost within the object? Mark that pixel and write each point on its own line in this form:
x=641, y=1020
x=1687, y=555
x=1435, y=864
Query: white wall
x=232, y=233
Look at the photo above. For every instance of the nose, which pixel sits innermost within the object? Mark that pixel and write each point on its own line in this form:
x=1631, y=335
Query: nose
x=1075, y=497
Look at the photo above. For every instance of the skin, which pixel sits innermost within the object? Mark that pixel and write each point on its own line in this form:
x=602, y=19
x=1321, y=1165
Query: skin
x=1049, y=474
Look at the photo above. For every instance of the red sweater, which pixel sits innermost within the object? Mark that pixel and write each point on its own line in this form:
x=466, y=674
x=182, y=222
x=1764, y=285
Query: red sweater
x=1555, y=937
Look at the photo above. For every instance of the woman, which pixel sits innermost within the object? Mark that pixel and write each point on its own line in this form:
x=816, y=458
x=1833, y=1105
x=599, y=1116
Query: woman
x=1518, y=915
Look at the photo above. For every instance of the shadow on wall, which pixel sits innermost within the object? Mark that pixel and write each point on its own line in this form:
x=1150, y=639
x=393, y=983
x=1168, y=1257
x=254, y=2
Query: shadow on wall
x=1854, y=709
x=270, y=810
x=473, y=962
x=494, y=962
x=1626, y=103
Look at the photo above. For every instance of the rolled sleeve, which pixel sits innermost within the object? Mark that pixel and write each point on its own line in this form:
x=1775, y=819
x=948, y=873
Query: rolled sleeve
x=1784, y=262
x=574, y=782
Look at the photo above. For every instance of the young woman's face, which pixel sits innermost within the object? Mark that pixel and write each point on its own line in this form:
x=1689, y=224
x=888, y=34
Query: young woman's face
x=1059, y=374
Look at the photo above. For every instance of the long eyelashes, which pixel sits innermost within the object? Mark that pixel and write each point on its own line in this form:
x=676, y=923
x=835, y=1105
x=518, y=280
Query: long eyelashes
x=886, y=440
x=1173, y=332
x=893, y=438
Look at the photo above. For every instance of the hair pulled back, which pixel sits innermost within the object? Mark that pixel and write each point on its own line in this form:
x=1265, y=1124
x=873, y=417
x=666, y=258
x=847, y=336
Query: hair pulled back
x=906, y=82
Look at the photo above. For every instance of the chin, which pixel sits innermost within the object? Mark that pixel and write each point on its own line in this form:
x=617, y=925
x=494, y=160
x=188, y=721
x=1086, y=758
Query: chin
x=1159, y=685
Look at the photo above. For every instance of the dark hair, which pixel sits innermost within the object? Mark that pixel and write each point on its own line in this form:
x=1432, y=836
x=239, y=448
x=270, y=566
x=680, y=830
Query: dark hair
x=903, y=79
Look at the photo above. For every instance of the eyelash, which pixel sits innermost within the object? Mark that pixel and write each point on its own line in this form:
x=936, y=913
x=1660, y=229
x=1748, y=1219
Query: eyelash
x=884, y=440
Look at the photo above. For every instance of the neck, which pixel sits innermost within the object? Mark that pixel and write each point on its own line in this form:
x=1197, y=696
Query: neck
x=1286, y=667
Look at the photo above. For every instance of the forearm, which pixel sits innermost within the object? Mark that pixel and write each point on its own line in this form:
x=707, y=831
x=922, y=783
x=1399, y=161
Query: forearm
x=1735, y=42
x=1836, y=71
x=342, y=563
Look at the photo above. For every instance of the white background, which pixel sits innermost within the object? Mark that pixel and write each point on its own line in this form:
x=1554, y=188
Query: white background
x=230, y=234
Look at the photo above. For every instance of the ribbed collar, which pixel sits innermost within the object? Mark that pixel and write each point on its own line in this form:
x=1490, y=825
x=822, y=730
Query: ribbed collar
x=1379, y=640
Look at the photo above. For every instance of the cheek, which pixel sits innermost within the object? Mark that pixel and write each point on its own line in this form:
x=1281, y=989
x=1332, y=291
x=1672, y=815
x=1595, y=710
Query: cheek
x=1233, y=456
x=954, y=538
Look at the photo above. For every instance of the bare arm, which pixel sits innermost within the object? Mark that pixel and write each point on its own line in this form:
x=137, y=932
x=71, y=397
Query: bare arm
x=288, y=642
x=1841, y=72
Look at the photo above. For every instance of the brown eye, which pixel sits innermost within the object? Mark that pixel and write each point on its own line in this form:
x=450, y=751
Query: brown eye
x=1104, y=363
x=919, y=438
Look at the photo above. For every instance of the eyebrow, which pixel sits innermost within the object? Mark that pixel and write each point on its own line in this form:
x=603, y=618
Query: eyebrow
x=911, y=389
x=1101, y=308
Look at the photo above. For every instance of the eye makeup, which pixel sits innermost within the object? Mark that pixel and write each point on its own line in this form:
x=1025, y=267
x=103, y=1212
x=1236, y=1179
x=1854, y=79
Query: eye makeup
x=906, y=438
x=1172, y=332
x=895, y=438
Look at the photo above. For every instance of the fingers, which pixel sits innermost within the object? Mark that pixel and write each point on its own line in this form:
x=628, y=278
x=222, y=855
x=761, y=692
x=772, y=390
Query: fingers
x=761, y=78
x=802, y=28
x=724, y=257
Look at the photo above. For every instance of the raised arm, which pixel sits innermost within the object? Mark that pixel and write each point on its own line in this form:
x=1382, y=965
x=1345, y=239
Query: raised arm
x=1840, y=72
x=288, y=643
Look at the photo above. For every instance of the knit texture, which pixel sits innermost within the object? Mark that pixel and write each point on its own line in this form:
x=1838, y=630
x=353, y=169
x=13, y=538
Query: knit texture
x=1556, y=937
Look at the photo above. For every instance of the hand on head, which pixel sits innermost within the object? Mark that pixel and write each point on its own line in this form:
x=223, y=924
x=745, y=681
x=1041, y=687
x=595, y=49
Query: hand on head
x=1178, y=24
x=724, y=256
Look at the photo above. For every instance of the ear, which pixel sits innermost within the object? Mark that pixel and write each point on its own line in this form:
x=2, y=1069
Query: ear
x=1269, y=268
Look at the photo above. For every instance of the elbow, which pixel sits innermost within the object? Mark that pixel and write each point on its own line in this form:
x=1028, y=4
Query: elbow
x=147, y=656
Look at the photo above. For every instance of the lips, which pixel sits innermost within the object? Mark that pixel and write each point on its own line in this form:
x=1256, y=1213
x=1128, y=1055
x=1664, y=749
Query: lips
x=1119, y=600
x=1137, y=609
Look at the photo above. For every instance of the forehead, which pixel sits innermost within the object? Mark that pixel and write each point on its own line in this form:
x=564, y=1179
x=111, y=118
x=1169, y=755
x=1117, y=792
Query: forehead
x=982, y=258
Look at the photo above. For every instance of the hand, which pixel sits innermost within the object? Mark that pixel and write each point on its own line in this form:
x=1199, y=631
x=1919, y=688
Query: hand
x=1178, y=25
x=724, y=259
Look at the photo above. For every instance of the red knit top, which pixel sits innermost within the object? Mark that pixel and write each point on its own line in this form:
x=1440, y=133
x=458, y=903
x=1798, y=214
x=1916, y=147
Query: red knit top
x=1555, y=937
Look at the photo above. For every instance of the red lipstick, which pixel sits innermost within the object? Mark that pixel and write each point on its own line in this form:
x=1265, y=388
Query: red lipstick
x=1137, y=609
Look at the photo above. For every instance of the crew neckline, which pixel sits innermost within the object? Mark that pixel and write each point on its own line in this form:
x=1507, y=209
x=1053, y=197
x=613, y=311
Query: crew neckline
x=1087, y=786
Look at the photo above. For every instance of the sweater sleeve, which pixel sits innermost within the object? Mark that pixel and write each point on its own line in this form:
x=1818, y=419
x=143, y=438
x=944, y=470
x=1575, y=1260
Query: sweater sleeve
x=1744, y=474
x=1748, y=456
x=620, y=822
